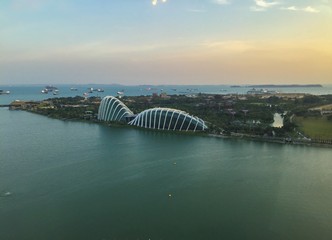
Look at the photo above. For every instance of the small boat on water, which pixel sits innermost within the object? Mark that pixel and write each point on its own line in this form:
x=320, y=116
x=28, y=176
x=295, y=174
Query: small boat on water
x=2, y=92
x=261, y=91
x=56, y=92
x=5, y=194
x=50, y=88
x=73, y=89
x=100, y=90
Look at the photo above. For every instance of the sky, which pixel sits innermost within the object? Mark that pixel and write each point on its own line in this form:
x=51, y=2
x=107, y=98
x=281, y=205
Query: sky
x=157, y=42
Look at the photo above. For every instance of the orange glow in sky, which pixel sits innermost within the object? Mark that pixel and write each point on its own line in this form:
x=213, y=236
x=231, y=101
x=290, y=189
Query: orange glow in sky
x=151, y=42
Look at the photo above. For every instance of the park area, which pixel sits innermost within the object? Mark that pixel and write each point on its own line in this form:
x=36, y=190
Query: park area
x=315, y=127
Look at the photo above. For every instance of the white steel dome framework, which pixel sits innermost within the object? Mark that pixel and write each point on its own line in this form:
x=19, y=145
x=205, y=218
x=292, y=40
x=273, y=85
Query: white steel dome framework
x=168, y=119
x=112, y=109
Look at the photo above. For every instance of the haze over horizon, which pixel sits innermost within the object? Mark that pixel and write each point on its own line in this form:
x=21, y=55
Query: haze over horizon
x=137, y=42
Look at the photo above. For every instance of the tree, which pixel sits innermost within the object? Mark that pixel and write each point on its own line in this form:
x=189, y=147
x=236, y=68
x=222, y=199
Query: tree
x=311, y=99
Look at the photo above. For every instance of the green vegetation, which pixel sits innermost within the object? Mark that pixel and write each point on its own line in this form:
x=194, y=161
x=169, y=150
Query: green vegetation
x=247, y=115
x=228, y=114
x=222, y=113
x=315, y=127
x=73, y=108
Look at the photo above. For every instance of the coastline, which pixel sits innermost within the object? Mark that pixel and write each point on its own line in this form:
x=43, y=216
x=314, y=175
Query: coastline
x=248, y=117
x=272, y=140
x=245, y=137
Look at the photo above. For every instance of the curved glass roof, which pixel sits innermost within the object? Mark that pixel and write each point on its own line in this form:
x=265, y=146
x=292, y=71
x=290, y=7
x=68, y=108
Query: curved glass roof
x=168, y=119
x=112, y=109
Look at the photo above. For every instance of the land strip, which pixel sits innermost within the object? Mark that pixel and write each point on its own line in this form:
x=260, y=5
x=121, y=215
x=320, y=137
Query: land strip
x=229, y=115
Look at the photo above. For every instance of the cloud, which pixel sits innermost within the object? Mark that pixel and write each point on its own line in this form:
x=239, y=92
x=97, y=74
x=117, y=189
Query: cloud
x=265, y=4
x=228, y=46
x=262, y=5
x=310, y=9
x=155, y=2
x=221, y=2
x=291, y=8
x=307, y=9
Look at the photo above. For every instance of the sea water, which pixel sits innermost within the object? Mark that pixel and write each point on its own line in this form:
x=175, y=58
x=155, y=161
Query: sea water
x=33, y=92
x=75, y=180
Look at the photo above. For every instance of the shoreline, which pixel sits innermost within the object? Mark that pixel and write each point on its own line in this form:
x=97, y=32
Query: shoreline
x=272, y=140
x=225, y=115
x=240, y=136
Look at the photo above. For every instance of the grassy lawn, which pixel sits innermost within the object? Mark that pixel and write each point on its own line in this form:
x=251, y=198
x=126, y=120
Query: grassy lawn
x=315, y=127
x=325, y=107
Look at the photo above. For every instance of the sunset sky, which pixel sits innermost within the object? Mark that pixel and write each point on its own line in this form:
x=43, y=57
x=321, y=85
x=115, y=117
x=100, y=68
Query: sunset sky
x=165, y=42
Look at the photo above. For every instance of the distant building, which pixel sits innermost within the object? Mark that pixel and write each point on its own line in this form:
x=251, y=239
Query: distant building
x=164, y=95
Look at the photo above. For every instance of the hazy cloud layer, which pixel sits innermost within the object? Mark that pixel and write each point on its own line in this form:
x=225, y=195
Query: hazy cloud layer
x=308, y=9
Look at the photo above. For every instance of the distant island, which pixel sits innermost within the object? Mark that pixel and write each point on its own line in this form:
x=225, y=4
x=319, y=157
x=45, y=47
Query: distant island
x=286, y=86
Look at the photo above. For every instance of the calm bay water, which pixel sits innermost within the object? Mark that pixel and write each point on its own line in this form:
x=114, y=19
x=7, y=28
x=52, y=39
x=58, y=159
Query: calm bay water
x=33, y=92
x=72, y=180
